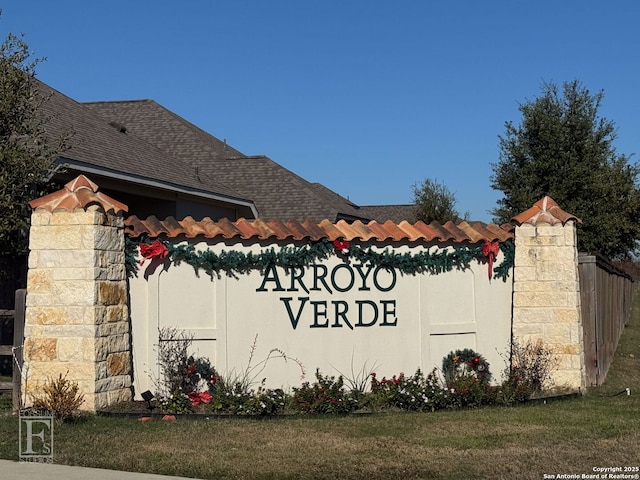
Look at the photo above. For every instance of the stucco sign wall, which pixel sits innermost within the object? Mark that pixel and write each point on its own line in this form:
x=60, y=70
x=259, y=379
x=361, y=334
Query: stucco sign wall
x=337, y=314
x=338, y=311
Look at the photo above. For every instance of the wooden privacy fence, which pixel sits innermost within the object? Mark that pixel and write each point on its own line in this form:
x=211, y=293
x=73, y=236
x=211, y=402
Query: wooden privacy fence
x=606, y=294
x=14, y=350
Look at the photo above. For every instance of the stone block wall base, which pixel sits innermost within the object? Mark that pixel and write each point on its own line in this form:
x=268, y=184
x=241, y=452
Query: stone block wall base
x=77, y=319
x=546, y=298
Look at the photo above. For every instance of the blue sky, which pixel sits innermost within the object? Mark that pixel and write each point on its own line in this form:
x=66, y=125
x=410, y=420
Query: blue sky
x=367, y=97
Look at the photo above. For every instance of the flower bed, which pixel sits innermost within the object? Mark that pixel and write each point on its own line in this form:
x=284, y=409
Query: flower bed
x=193, y=386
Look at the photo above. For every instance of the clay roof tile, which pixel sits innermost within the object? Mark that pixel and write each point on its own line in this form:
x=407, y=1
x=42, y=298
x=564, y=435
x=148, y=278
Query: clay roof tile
x=331, y=231
x=545, y=210
x=79, y=193
x=373, y=231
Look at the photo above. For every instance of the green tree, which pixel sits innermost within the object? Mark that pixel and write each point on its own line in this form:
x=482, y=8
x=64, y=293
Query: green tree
x=563, y=149
x=435, y=202
x=26, y=152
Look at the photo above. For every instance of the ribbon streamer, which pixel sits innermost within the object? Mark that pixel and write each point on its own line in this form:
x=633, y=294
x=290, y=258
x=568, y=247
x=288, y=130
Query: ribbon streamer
x=491, y=250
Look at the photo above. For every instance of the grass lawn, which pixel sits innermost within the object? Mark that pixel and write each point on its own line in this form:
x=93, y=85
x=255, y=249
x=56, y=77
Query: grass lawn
x=601, y=429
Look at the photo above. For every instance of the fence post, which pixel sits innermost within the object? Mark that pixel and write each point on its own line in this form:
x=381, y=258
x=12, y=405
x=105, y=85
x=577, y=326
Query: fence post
x=18, y=342
x=589, y=308
x=546, y=296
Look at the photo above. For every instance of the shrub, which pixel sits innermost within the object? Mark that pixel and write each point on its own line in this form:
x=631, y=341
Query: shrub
x=528, y=371
x=262, y=402
x=173, y=356
x=60, y=397
x=358, y=381
x=410, y=393
x=325, y=396
x=533, y=363
x=468, y=391
x=176, y=403
x=236, y=399
x=515, y=389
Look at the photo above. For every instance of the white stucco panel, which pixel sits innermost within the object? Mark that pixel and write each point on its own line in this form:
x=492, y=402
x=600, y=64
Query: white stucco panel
x=337, y=316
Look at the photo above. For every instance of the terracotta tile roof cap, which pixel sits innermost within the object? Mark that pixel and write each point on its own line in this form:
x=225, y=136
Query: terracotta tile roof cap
x=263, y=230
x=545, y=210
x=79, y=193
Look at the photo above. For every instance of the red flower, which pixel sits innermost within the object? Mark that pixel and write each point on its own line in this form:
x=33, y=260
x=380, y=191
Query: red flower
x=205, y=397
x=157, y=249
x=373, y=374
x=342, y=246
x=476, y=360
x=197, y=398
x=194, y=397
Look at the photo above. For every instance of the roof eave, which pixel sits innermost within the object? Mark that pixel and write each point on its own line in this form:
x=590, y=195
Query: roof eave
x=151, y=182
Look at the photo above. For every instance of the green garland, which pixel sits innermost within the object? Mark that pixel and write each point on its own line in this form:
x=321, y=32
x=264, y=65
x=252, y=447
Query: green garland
x=236, y=262
x=508, y=250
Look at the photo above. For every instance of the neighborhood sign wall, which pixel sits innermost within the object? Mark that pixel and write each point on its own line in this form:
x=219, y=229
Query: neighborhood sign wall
x=336, y=315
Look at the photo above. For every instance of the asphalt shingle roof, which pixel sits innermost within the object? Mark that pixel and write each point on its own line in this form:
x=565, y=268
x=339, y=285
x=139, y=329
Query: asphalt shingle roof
x=96, y=142
x=277, y=192
x=145, y=141
x=395, y=213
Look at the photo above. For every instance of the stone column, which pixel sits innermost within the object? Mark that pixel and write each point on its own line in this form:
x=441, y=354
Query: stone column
x=546, y=289
x=77, y=321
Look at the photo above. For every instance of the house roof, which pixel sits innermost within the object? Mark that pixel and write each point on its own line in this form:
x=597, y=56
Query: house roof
x=395, y=213
x=277, y=192
x=110, y=150
x=141, y=142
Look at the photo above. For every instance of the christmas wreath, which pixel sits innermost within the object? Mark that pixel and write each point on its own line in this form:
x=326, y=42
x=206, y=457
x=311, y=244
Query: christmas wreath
x=464, y=362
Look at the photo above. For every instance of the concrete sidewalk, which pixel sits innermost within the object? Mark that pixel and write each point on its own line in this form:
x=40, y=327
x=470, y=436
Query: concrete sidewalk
x=38, y=471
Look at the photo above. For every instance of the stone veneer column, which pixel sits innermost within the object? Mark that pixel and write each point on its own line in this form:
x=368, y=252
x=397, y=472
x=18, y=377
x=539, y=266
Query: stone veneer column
x=77, y=321
x=546, y=296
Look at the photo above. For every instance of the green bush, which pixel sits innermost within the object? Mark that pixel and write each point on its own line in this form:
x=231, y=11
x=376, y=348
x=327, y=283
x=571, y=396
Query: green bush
x=176, y=403
x=263, y=402
x=469, y=391
x=417, y=392
x=515, y=389
x=237, y=399
x=325, y=396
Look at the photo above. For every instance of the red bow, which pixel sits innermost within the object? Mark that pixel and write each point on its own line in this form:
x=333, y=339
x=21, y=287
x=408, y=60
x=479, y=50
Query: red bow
x=342, y=247
x=491, y=250
x=157, y=249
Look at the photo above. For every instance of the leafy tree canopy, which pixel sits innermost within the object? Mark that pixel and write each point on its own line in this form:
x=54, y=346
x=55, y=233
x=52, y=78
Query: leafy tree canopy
x=26, y=152
x=563, y=149
x=435, y=202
